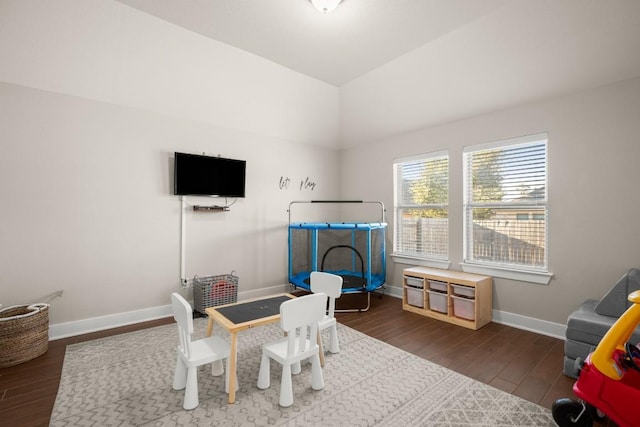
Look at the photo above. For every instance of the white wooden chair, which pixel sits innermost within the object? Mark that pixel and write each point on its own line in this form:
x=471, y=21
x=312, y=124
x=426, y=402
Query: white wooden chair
x=331, y=285
x=191, y=354
x=299, y=318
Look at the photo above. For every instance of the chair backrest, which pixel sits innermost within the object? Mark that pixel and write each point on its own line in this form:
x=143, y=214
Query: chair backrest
x=299, y=317
x=183, y=314
x=329, y=284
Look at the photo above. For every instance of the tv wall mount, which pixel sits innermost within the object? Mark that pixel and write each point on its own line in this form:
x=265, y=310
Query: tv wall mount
x=214, y=208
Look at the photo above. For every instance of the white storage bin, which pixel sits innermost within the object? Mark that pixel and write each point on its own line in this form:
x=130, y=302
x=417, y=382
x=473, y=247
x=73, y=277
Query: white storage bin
x=437, y=285
x=416, y=282
x=464, y=307
x=415, y=296
x=465, y=291
x=438, y=301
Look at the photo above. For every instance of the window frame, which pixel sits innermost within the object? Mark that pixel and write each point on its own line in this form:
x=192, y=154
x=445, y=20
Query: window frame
x=427, y=259
x=515, y=271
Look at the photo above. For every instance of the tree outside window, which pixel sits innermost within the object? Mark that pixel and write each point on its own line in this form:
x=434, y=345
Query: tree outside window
x=505, y=203
x=421, y=206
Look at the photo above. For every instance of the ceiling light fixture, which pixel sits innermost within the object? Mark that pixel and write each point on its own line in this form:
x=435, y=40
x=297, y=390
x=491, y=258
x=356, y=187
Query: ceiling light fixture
x=325, y=6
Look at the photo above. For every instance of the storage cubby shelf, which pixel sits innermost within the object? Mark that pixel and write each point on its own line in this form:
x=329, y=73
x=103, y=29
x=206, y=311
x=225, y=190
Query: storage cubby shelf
x=463, y=299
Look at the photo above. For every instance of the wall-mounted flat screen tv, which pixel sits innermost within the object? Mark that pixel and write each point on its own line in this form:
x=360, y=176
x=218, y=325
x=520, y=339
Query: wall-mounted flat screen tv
x=200, y=175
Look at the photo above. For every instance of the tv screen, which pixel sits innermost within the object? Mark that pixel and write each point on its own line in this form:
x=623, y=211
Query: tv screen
x=200, y=175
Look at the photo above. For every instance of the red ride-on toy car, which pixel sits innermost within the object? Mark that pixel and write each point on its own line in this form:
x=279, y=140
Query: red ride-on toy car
x=609, y=381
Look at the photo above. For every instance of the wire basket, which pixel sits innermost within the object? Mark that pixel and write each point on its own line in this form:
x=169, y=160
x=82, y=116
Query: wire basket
x=24, y=333
x=211, y=291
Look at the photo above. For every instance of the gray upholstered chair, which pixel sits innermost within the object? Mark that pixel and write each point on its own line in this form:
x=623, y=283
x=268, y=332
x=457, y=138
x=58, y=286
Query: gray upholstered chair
x=588, y=323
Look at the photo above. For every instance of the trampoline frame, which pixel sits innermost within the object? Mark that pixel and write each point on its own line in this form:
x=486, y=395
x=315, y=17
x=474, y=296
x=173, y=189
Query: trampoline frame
x=372, y=282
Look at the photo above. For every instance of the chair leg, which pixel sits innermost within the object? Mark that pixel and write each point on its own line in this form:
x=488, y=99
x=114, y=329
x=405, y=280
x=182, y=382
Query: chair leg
x=191, y=391
x=264, y=375
x=317, y=380
x=334, y=346
x=180, y=375
x=296, y=368
x=286, y=387
x=216, y=368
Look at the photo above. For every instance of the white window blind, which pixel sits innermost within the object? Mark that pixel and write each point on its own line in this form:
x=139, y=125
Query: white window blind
x=505, y=203
x=421, y=215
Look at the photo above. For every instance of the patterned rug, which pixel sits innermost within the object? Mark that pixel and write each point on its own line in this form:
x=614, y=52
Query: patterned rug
x=125, y=380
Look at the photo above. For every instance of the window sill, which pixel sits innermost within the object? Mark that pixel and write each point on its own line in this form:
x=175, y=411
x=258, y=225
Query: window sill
x=540, y=278
x=405, y=259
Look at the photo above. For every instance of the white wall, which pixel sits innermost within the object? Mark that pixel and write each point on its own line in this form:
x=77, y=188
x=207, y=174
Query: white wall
x=522, y=52
x=106, y=51
x=96, y=96
x=594, y=203
x=94, y=99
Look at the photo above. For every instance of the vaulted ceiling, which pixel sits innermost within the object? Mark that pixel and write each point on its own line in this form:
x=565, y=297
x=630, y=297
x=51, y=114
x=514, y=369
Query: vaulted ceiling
x=451, y=58
x=358, y=36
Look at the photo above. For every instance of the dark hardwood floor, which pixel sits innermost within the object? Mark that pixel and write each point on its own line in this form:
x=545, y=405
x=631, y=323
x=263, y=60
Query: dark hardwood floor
x=519, y=362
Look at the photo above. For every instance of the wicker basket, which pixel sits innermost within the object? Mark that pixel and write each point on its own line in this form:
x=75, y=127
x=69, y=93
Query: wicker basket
x=24, y=333
x=211, y=291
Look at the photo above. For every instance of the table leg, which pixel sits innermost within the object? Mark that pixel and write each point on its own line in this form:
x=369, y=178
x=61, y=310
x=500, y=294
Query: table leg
x=232, y=368
x=321, y=349
x=210, y=326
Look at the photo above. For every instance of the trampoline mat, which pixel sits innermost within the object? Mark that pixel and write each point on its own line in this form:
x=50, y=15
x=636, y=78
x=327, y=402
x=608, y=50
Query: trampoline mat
x=348, y=281
x=252, y=310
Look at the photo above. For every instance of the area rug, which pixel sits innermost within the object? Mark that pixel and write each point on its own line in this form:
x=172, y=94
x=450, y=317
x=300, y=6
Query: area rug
x=125, y=380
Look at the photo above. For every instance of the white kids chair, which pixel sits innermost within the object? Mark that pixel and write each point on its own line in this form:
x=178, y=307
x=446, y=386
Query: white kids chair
x=331, y=285
x=191, y=354
x=299, y=318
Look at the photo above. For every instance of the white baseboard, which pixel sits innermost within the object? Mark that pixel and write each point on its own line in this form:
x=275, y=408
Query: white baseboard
x=94, y=324
x=84, y=326
x=542, y=327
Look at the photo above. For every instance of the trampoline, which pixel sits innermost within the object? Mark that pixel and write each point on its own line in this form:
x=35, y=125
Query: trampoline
x=353, y=250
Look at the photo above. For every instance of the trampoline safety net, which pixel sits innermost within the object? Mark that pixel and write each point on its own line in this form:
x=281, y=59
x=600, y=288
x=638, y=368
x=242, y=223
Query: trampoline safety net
x=356, y=251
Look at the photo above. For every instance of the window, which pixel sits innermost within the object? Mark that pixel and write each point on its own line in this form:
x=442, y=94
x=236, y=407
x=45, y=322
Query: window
x=421, y=195
x=505, y=204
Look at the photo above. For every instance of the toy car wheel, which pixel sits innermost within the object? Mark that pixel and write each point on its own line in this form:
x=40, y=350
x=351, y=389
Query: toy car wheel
x=566, y=412
x=596, y=413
